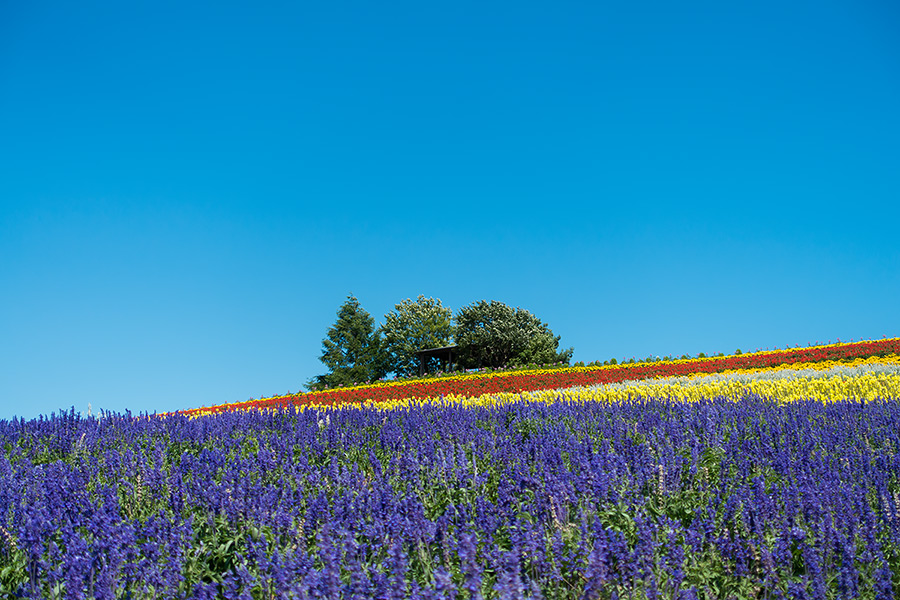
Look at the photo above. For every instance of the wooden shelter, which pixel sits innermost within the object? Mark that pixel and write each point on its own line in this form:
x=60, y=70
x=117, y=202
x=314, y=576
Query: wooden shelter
x=445, y=354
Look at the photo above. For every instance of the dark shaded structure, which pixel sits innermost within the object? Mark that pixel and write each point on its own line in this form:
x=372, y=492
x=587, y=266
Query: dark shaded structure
x=445, y=355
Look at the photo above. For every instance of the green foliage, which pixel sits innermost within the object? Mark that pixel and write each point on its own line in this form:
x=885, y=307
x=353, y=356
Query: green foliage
x=13, y=565
x=352, y=349
x=219, y=549
x=495, y=335
x=413, y=326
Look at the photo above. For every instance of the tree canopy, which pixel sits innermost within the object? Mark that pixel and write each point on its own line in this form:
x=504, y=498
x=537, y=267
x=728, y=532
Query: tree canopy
x=495, y=335
x=415, y=325
x=487, y=334
x=352, y=349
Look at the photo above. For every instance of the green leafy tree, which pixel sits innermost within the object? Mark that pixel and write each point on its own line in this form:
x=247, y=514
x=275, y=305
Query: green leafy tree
x=352, y=349
x=413, y=326
x=494, y=334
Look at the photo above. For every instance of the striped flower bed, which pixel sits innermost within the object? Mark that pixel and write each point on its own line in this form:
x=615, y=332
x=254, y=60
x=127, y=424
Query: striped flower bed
x=478, y=384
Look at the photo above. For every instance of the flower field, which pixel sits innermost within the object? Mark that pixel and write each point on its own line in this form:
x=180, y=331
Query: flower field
x=545, y=379
x=765, y=475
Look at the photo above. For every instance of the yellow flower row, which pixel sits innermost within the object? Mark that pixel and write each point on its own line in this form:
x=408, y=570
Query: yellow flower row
x=822, y=386
x=730, y=383
x=594, y=368
x=865, y=387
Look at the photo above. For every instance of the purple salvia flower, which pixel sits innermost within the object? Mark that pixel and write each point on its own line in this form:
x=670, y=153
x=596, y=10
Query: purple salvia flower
x=469, y=565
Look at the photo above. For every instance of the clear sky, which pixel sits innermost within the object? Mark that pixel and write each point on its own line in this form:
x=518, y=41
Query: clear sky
x=189, y=191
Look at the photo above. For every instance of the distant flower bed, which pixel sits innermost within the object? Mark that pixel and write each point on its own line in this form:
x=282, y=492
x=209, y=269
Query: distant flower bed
x=476, y=384
x=863, y=380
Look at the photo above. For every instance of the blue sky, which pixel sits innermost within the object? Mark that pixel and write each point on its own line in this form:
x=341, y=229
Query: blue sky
x=189, y=191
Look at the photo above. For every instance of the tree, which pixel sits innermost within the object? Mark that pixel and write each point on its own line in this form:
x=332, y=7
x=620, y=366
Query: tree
x=413, y=326
x=352, y=349
x=495, y=335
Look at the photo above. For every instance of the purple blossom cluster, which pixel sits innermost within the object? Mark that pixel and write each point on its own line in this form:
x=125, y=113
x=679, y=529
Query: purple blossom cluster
x=644, y=499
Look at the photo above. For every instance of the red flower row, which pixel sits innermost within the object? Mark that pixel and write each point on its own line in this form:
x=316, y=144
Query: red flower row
x=516, y=382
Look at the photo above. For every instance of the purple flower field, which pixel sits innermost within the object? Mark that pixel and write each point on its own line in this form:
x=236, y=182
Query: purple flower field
x=643, y=499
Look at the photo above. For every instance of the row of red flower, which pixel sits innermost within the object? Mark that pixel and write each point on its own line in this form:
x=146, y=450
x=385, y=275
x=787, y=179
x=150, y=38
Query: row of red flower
x=477, y=384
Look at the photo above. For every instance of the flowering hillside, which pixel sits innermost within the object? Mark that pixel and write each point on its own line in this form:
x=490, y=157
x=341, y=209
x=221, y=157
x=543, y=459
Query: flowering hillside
x=473, y=384
x=767, y=475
